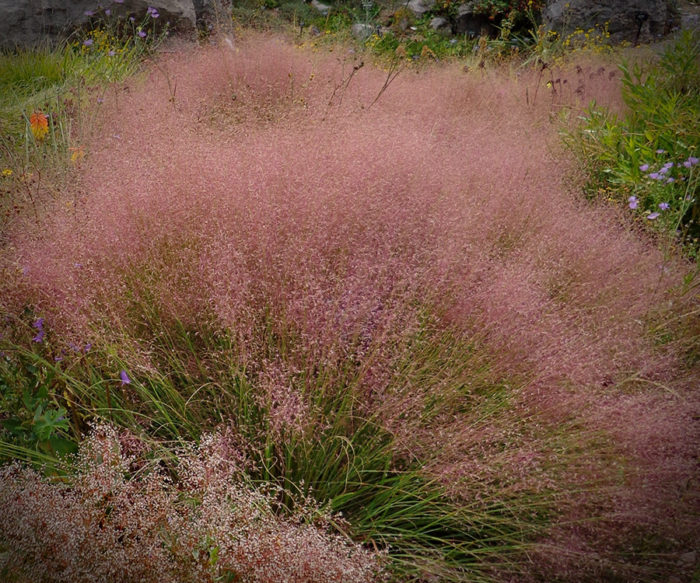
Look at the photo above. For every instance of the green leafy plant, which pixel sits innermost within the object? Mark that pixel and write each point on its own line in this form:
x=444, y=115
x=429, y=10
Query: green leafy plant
x=33, y=415
x=648, y=159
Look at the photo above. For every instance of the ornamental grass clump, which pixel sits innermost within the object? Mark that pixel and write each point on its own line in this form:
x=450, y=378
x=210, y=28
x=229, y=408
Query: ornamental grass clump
x=398, y=305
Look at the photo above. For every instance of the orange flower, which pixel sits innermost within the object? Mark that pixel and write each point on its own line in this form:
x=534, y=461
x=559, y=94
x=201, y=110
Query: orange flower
x=39, y=124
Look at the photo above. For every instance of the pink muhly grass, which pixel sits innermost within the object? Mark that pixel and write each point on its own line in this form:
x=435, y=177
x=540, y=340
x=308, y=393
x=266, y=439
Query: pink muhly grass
x=257, y=207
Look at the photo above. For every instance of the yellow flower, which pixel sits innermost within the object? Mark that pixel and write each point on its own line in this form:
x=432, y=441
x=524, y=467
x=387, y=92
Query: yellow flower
x=7, y=173
x=39, y=124
x=77, y=154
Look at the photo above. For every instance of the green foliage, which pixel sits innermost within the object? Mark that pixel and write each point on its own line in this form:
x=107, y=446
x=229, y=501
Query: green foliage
x=341, y=454
x=648, y=159
x=33, y=415
x=497, y=9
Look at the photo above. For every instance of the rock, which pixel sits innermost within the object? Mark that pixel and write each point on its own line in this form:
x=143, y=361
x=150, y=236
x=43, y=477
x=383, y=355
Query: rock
x=420, y=7
x=690, y=14
x=26, y=23
x=473, y=24
x=441, y=25
x=324, y=9
x=362, y=31
x=634, y=21
x=212, y=13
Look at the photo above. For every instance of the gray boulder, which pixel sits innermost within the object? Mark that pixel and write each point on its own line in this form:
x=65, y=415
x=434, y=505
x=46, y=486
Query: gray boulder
x=441, y=25
x=420, y=7
x=634, y=21
x=25, y=23
x=362, y=31
x=472, y=23
x=324, y=9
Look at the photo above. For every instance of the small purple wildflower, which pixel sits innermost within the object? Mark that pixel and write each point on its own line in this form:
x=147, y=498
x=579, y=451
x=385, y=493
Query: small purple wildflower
x=660, y=151
x=39, y=325
x=655, y=176
x=652, y=216
x=664, y=206
x=100, y=100
x=142, y=33
x=89, y=13
x=670, y=180
x=633, y=202
x=125, y=380
x=88, y=42
x=108, y=12
x=118, y=1
x=663, y=170
x=132, y=19
x=644, y=167
x=152, y=12
x=691, y=161
x=112, y=53
x=88, y=347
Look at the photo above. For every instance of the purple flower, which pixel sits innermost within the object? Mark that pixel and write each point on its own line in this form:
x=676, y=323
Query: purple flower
x=118, y=1
x=100, y=100
x=670, y=180
x=656, y=176
x=87, y=42
x=633, y=202
x=691, y=161
x=663, y=170
x=644, y=167
x=142, y=33
x=89, y=13
x=664, y=206
x=152, y=12
x=88, y=347
x=108, y=12
x=112, y=53
x=125, y=380
x=660, y=151
x=132, y=19
x=39, y=325
x=652, y=216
